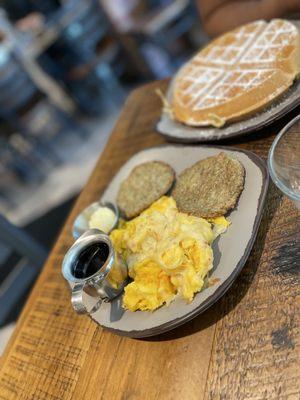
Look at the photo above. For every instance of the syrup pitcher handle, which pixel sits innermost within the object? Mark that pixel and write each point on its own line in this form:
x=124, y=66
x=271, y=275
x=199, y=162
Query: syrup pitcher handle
x=78, y=303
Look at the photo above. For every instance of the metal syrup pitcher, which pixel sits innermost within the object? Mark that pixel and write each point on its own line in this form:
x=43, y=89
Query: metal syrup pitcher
x=91, y=266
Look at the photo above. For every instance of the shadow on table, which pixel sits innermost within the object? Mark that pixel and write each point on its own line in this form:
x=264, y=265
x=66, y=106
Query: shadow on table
x=239, y=288
x=264, y=132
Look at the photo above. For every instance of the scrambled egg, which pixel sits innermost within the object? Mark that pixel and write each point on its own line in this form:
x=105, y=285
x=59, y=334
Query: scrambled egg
x=167, y=252
x=220, y=225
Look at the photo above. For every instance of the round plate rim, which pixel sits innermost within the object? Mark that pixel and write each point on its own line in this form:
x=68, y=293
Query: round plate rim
x=285, y=105
x=222, y=289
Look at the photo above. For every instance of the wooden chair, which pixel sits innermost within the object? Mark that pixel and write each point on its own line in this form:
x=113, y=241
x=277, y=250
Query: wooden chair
x=17, y=281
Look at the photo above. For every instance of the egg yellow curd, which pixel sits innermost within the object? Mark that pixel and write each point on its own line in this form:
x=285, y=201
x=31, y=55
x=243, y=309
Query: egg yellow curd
x=168, y=254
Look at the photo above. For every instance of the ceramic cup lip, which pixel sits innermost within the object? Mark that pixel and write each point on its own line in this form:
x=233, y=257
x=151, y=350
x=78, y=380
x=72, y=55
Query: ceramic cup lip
x=90, y=237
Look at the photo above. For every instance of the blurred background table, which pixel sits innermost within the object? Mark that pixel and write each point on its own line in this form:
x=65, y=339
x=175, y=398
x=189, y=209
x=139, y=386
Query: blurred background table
x=244, y=347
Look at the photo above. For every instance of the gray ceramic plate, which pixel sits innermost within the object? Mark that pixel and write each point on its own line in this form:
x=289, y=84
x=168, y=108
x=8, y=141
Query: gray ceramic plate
x=230, y=252
x=178, y=132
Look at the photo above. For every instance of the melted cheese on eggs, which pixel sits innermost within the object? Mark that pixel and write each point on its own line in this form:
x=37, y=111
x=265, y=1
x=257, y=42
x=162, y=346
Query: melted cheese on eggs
x=167, y=252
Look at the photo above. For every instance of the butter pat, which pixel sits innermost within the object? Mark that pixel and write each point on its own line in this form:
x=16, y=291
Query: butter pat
x=103, y=219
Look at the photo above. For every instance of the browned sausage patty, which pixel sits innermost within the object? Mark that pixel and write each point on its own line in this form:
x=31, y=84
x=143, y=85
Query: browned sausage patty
x=146, y=183
x=211, y=187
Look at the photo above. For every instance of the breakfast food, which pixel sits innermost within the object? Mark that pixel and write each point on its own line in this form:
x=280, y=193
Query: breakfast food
x=167, y=252
x=103, y=218
x=167, y=247
x=146, y=183
x=237, y=74
x=211, y=187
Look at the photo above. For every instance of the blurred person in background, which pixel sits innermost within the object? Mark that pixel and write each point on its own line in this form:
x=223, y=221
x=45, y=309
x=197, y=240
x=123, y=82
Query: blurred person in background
x=219, y=16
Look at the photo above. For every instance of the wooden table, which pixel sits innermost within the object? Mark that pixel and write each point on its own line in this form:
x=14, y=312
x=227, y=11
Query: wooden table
x=247, y=346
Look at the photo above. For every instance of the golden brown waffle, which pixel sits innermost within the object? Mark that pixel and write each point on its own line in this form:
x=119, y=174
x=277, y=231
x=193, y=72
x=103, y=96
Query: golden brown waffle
x=237, y=74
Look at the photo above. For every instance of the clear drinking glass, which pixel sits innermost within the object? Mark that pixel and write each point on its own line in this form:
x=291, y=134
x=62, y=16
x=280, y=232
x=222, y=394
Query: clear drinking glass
x=284, y=161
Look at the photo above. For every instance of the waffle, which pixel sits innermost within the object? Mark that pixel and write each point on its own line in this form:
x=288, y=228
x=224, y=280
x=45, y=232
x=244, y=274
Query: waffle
x=237, y=74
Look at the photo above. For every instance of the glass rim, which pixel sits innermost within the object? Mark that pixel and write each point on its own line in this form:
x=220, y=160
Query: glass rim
x=275, y=178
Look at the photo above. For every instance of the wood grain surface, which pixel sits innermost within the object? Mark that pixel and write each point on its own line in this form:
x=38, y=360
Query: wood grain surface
x=247, y=346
